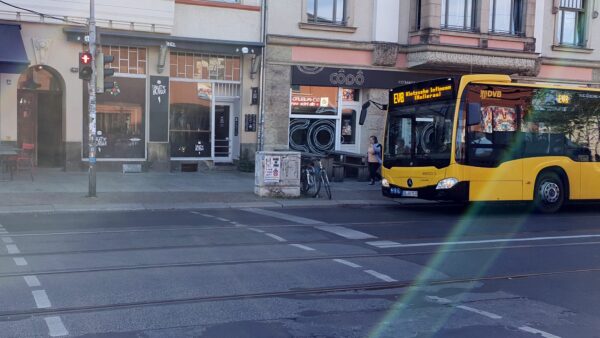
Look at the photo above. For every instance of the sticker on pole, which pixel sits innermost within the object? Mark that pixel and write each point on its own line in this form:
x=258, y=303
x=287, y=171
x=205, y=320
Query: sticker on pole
x=272, y=169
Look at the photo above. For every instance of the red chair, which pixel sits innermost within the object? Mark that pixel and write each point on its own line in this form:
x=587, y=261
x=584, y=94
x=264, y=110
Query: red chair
x=24, y=160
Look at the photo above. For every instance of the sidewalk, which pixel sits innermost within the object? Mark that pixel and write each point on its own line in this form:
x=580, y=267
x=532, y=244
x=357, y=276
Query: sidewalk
x=54, y=191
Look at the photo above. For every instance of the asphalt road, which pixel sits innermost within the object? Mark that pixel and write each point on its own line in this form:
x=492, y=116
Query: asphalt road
x=401, y=271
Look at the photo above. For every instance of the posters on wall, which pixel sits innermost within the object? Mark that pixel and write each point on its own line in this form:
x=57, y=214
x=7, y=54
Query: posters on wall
x=272, y=169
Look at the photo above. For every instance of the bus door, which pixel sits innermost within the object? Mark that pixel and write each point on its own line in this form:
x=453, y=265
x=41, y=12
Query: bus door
x=590, y=169
x=492, y=166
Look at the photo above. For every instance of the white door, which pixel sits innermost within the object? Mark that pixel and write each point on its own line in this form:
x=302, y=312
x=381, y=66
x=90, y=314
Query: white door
x=348, y=130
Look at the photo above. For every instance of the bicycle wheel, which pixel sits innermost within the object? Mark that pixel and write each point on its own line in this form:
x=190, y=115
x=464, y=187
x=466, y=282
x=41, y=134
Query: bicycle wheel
x=325, y=180
x=304, y=186
x=317, y=179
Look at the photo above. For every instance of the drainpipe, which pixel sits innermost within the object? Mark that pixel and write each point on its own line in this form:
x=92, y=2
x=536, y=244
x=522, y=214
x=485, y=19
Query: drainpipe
x=261, y=104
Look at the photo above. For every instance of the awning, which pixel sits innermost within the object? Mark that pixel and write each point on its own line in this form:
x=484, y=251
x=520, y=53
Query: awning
x=146, y=39
x=13, y=58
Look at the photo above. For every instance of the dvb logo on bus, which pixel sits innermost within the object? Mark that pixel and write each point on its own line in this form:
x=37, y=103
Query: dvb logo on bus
x=490, y=94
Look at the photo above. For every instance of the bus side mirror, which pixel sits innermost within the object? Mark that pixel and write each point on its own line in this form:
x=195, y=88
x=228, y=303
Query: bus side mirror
x=473, y=114
x=363, y=113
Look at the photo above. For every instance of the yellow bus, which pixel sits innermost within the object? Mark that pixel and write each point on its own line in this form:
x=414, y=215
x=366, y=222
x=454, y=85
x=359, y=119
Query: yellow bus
x=488, y=138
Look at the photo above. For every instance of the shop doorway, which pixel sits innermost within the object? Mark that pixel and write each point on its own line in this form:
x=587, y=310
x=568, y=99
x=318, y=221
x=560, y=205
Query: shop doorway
x=348, y=127
x=40, y=115
x=223, y=132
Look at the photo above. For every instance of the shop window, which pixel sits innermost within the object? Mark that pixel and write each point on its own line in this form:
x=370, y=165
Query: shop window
x=458, y=14
x=317, y=101
x=312, y=123
x=120, y=120
x=572, y=24
x=332, y=12
x=315, y=136
x=190, y=119
x=205, y=67
x=507, y=16
x=127, y=60
x=350, y=95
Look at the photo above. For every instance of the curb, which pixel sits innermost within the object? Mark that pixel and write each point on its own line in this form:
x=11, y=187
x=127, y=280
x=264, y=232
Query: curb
x=63, y=208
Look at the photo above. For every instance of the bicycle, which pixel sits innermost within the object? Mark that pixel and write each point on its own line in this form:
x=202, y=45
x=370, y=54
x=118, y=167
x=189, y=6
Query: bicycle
x=313, y=178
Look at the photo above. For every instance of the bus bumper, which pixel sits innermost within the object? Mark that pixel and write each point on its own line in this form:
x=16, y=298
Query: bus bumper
x=460, y=192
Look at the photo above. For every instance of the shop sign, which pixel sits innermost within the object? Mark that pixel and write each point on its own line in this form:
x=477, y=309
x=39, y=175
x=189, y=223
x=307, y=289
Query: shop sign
x=355, y=78
x=204, y=91
x=309, y=101
x=272, y=169
x=159, y=108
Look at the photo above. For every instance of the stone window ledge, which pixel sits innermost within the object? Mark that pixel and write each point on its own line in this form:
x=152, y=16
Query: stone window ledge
x=572, y=49
x=325, y=27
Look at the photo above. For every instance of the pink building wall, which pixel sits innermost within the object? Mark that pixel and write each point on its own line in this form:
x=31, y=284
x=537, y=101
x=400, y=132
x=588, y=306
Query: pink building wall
x=501, y=44
x=565, y=73
x=333, y=56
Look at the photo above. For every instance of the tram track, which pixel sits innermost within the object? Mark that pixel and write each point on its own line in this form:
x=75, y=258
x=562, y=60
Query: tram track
x=331, y=240
x=282, y=260
x=7, y=315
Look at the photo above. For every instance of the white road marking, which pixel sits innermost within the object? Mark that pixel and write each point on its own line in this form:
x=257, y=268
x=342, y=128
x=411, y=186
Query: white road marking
x=280, y=215
x=56, y=327
x=7, y=240
x=348, y=263
x=277, y=237
x=303, y=247
x=12, y=249
x=384, y=244
x=536, y=331
x=481, y=312
x=222, y=219
x=41, y=299
x=256, y=230
x=381, y=276
x=32, y=281
x=3, y=232
x=20, y=261
x=503, y=240
x=345, y=232
x=438, y=300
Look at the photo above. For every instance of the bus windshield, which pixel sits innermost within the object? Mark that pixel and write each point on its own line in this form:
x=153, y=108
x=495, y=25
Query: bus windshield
x=419, y=135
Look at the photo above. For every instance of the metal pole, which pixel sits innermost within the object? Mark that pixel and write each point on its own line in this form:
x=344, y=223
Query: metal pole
x=92, y=105
x=263, y=59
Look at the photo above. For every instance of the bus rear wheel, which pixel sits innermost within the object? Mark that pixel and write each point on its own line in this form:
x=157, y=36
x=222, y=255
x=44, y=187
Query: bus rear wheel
x=549, y=194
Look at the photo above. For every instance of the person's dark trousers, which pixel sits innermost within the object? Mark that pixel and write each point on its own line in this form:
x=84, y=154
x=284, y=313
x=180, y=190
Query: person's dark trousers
x=373, y=167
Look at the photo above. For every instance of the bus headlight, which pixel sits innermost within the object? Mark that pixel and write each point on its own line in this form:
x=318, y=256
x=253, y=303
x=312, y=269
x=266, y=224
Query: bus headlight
x=446, y=183
x=385, y=183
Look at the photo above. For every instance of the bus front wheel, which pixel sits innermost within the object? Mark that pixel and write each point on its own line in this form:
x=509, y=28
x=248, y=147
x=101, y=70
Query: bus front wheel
x=549, y=194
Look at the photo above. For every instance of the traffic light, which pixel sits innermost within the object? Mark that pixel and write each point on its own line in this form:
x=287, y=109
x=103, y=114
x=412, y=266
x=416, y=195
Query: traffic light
x=101, y=72
x=85, y=65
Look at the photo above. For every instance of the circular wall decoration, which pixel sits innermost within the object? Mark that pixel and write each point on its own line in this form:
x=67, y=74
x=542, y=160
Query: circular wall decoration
x=312, y=135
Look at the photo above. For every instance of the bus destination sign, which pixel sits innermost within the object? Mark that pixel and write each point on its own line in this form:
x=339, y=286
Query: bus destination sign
x=422, y=92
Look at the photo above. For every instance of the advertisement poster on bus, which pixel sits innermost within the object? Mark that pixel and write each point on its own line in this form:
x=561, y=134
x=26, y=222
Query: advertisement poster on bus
x=272, y=169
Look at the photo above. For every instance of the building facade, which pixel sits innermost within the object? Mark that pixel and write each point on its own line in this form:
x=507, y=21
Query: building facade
x=200, y=80
x=183, y=86
x=325, y=58
x=569, y=52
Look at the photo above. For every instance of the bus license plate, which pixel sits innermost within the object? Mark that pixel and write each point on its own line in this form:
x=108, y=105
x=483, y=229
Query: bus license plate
x=408, y=193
